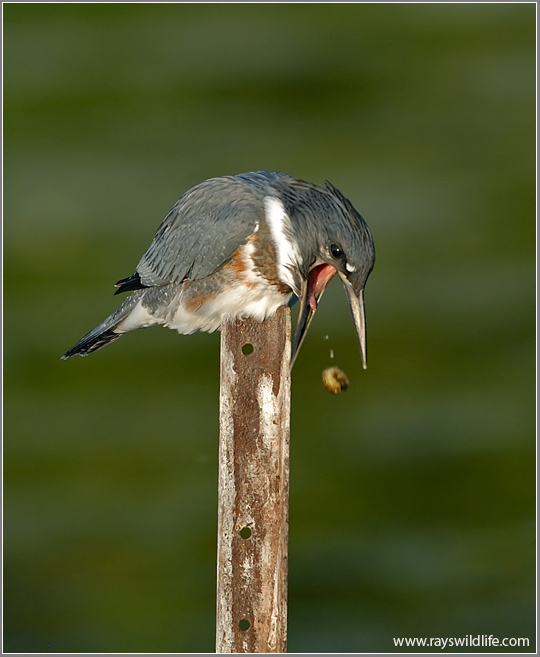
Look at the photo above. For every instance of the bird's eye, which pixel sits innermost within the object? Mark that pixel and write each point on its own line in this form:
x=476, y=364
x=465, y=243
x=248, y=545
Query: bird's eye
x=336, y=251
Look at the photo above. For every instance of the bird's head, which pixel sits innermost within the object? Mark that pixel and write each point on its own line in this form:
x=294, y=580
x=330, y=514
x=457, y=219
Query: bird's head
x=336, y=240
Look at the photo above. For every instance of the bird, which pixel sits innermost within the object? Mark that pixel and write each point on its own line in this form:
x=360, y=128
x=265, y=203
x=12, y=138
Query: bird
x=242, y=246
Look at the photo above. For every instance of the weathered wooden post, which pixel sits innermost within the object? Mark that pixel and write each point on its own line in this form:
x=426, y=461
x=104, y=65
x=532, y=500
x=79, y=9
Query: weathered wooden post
x=253, y=511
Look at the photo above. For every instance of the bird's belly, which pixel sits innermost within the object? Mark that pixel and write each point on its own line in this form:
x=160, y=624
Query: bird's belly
x=256, y=301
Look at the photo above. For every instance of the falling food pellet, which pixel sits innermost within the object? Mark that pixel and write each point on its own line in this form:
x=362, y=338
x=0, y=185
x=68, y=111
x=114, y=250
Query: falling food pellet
x=331, y=353
x=335, y=380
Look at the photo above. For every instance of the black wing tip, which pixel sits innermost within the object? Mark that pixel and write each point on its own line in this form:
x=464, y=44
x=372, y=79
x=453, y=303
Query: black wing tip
x=129, y=284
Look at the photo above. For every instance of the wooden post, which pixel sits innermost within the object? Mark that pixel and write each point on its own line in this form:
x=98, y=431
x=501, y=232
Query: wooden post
x=253, y=511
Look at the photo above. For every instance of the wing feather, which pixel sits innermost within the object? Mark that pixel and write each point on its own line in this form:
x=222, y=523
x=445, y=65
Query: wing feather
x=202, y=231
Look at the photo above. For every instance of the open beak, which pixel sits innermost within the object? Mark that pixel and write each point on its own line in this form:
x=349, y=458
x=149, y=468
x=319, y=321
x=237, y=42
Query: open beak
x=312, y=291
x=356, y=302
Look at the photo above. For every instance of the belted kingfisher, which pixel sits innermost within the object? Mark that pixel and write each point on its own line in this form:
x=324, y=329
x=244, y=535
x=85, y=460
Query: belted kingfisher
x=243, y=246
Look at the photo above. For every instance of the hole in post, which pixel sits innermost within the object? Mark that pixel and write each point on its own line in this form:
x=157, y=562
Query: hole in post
x=244, y=624
x=245, y=532
x=247, y=349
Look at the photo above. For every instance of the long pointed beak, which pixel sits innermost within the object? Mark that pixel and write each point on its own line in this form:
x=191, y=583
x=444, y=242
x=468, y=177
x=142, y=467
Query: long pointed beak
x=356, y=302
x=305, y=316
x=312, y=291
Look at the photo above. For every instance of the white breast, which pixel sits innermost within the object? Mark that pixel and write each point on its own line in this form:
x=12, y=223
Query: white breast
x=258, y=302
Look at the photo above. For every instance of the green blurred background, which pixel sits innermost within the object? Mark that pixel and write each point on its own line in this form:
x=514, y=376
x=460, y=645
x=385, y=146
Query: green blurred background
x=413, y=494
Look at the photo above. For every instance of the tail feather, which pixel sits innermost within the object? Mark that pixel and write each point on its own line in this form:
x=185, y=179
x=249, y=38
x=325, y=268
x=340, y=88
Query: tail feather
x=105, y=332
x=91, y=343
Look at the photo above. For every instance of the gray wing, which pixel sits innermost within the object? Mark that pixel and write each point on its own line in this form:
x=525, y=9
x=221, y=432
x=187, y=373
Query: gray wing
x=202, y=231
